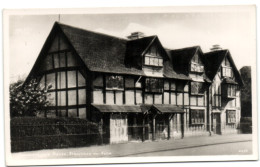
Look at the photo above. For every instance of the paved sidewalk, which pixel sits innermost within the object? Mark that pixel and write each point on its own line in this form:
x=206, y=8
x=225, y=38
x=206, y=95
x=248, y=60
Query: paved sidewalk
x=134, y=148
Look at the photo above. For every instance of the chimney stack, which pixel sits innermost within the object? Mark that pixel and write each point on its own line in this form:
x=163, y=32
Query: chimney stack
x=135, y=35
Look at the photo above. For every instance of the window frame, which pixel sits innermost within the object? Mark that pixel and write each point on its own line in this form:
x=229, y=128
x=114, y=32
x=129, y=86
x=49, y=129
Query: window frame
x=200, y=112
x=198, y=92
x=228, y=121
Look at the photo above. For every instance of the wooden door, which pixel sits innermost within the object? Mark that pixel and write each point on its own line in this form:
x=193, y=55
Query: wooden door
x=118, y=128
x=216, y=123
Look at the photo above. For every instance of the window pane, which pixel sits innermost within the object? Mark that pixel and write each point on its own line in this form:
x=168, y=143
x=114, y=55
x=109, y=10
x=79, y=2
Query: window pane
x=166, y=98
x=72, y=97
x=156, y=61
x=129, y=97
x=97, y=97
x=81, y=80
x=157, y=99
x=119, y=97
x=72, y=113
x=82, y=113
x=160, y=62
x=82, y=96
x=146, y=60
x=50, y=80
x=71, y=79
x=51, y=98
x=148, y=99
x=179, y=99
x=114, y=82
x=173, y=85
x=139, y=99
x=61, y=98
x=110, y=97
x=166, y=85
x=71, y=60
x=61, y=80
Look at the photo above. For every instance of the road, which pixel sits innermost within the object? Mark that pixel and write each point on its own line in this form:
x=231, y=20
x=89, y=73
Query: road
x=233, y=148
x=237, y=144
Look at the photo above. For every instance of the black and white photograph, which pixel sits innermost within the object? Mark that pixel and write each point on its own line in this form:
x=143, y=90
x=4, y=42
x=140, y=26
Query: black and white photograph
x=130, y=85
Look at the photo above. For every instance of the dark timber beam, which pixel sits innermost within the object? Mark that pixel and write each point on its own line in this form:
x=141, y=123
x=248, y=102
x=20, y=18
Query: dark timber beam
x=153, y=134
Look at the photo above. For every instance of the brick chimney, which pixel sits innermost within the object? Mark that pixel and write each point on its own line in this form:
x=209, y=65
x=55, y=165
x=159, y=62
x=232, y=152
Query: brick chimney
x=136, y=35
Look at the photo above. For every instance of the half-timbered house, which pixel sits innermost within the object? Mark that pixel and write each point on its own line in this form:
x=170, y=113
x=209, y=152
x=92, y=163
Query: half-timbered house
x=135, y=88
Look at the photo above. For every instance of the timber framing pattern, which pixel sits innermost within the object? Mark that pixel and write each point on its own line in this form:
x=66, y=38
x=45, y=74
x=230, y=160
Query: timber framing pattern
x=137, y=89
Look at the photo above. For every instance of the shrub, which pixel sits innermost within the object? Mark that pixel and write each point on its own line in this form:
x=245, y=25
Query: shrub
x=33, y=133
x=26, y=99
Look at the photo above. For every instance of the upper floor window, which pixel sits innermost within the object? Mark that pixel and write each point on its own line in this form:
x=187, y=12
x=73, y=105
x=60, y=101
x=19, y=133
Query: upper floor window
x=196, y=64
x=153, y=61
x=197, y=88
x=226, y=68
x=114, y=82
x=227, y=71
x=229, y=90
x=154, y=85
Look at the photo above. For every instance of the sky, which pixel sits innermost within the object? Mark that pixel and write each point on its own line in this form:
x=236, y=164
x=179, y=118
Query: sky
x=231, y=30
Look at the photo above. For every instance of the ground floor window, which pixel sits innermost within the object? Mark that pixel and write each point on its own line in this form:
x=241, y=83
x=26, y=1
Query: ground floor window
x=231, y=116
x=197, y=116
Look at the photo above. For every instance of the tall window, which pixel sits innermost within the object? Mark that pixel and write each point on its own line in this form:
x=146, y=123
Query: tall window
x=114, y=89
x=226, y=68
x=231, y=116
x=216, y=98
x=197, y=116
x=231, y=90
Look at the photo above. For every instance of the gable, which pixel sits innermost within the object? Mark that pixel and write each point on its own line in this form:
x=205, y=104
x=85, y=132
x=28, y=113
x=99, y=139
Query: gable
x=153, y=56
x=58, y=54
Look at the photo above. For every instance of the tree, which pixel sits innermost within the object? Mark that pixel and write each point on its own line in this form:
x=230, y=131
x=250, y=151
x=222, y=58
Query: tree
x=27, y=99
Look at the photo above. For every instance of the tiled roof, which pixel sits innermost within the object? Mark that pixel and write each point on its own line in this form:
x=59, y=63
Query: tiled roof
x=104, y=53
x=213, y=62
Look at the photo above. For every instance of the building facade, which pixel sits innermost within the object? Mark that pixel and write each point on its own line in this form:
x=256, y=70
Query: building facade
x=135, y=88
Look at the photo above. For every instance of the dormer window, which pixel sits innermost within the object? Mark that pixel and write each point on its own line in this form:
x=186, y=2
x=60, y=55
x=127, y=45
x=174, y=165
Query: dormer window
x=226, y=68
x=196, y=65
x=153, y=61
x=227, y=71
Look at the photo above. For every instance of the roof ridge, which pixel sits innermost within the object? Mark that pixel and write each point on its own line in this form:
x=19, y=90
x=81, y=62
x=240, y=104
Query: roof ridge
x=82, y=29
x=215, y=51
x=196, y=46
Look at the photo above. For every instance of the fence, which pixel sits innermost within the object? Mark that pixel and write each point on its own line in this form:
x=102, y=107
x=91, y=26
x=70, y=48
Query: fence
x=25, y=137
